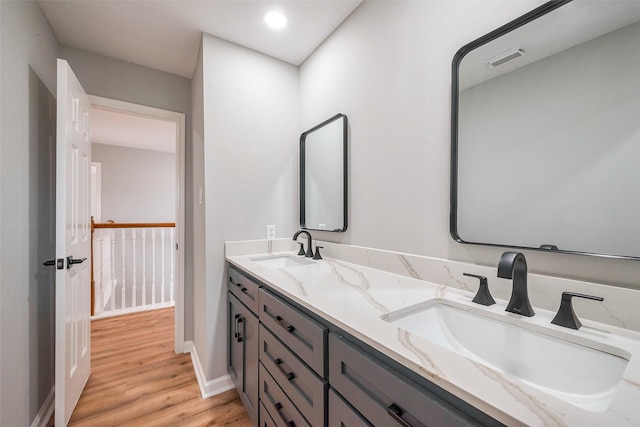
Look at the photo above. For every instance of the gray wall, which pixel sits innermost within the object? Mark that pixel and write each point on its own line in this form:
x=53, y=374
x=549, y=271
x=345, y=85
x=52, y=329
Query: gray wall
x=388, y=68
x=199, y=254
x=124, y=81
x=250, y=110
x=27, y=79
x=137, y=185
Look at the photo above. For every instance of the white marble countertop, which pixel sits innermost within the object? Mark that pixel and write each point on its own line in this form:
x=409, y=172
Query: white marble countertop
x=354, y=298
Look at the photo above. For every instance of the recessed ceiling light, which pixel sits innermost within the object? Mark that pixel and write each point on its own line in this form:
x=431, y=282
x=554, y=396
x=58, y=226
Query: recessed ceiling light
x=275, y=19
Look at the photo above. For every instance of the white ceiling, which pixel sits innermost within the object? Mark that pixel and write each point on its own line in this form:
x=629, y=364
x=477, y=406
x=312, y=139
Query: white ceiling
x=127, y=130
x=165, y=35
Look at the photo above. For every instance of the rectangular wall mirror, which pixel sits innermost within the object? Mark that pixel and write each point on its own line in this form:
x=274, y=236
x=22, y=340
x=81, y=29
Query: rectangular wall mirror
x=323, y=176
x=545, y=132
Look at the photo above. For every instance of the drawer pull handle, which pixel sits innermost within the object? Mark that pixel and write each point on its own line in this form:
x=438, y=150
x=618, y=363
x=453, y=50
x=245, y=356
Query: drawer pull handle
x=284, y=324
x=396, y=413
x=235, y=325
x=278, y=407
x=281, y=366
x=238, y=334
x=242, y=288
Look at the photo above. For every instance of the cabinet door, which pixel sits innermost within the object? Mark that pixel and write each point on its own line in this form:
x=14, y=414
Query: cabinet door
x=243, y=354
x=235, y=347
x=250, y=361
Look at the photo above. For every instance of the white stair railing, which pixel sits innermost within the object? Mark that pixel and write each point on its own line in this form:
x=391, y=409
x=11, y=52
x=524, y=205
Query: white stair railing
x=125, y=252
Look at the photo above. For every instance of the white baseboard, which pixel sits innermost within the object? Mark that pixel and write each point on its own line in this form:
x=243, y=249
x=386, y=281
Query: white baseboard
x=46, y=410
x=186, y=347
x=211, y=387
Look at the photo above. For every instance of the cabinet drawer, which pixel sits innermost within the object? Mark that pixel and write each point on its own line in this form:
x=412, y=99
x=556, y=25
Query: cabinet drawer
x=381, y=396
x=341, y=414
x=305, y=389
x=245, y=289
x=282, y=410
x=265, y=418
x=303, y=335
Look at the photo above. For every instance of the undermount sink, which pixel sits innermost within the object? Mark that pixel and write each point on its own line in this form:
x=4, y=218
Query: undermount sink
x=582, y=374
x=281, y=261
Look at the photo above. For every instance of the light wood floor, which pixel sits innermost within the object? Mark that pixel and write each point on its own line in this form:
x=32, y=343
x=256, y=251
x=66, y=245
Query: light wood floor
x=137, y=379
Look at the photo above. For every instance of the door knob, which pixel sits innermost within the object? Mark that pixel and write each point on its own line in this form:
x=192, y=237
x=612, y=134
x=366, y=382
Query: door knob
x=71, y=261
x=59, y=263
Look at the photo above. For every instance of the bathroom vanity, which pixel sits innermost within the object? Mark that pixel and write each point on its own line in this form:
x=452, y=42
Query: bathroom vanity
x=313, y=373
x=331, y=342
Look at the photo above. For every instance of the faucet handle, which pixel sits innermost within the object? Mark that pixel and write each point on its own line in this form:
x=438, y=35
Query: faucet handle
x=483, y=296
x=301, y=251
x=317, y=255
x=566, y=316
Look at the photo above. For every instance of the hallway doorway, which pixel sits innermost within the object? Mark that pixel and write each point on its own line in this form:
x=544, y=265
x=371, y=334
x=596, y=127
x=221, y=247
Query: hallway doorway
x=153, y=135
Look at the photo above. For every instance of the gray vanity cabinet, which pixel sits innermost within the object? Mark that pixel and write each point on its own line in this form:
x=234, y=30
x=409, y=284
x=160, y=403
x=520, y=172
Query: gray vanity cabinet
x=243, y=353
x=265, y=418
x=290, y=371
x=303, y=335
x=293, y=353
x=243, y=288
x=382, y=396
x=342, y=414
x=305, y=389
x=281, y=409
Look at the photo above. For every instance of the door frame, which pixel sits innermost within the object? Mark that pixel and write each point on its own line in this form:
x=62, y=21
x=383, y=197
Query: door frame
x=98, y=195
x=179, y=120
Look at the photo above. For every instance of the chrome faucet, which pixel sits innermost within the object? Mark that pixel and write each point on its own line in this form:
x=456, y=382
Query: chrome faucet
x=309, y=252
x=513, y=265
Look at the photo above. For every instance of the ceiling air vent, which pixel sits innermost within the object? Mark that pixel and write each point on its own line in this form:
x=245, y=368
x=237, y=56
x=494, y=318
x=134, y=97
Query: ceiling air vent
x=506, y=56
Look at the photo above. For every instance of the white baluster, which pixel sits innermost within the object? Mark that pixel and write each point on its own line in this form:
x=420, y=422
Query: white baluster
x=144, y=267
x=113, y=269
x=97, y=272
x=122, y=289
x=133, y=288
x=153, y=266
x=173, y=258
x=163, y=267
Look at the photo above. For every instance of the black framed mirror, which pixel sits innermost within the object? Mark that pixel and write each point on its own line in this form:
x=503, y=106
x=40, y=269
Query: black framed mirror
x=323, y=176
x=545, y=132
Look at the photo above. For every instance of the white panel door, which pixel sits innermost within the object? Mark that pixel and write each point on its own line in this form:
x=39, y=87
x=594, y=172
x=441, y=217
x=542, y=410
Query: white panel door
x=73, y=244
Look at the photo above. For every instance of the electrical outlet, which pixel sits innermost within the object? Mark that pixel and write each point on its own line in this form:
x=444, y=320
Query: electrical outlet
x=271, y=232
